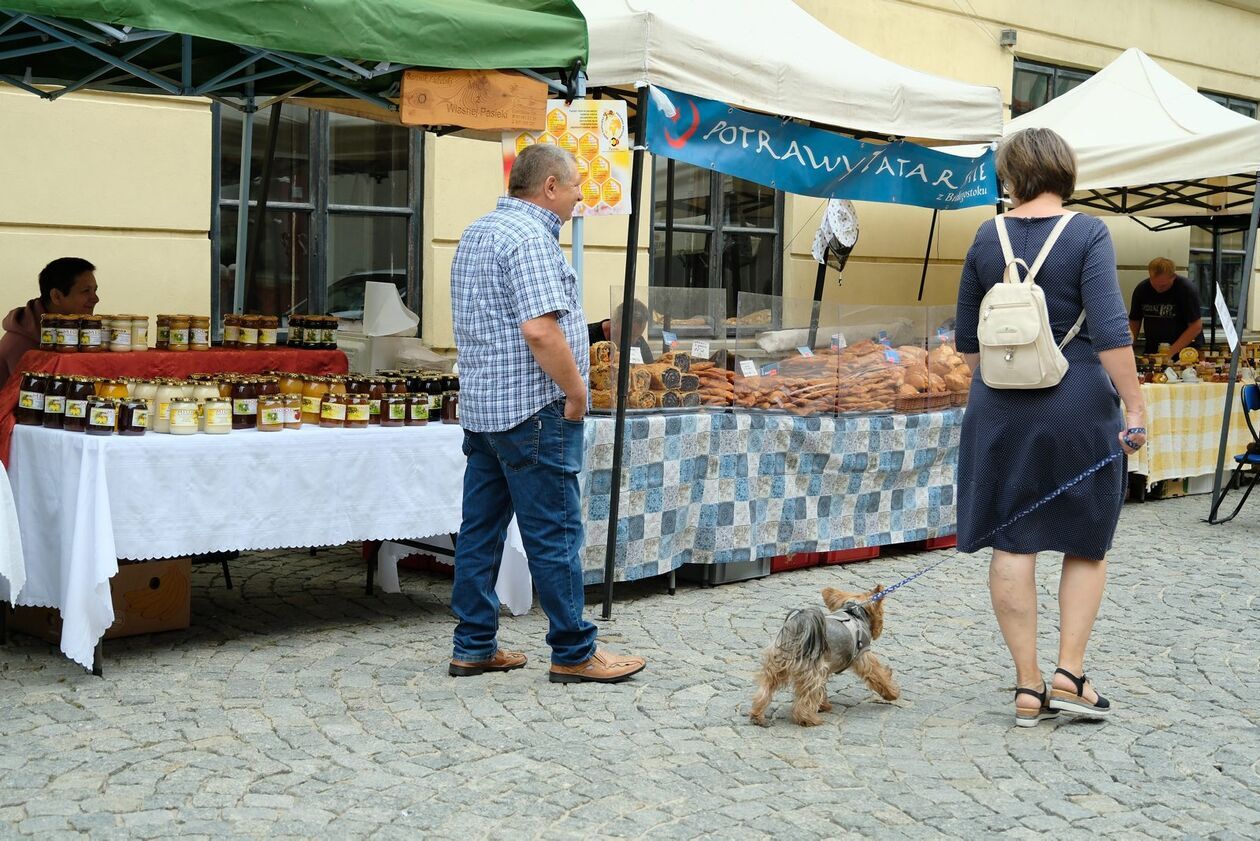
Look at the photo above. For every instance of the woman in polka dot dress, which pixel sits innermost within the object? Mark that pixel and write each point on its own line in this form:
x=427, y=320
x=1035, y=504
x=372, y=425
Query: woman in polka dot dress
x=1020, y=445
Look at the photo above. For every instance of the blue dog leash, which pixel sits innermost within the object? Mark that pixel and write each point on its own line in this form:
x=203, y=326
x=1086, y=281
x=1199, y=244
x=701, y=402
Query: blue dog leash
x=1056, y=492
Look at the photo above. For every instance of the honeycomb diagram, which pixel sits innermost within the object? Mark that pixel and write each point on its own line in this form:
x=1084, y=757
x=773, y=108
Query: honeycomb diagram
x=579, y=132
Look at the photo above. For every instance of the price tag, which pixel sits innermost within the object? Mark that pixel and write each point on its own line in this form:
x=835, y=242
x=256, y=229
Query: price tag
x=838, y=341
x=748, y=368
x=700, y=349
x=892, y=356
x=804, y=351
x=884, y=340
x=1226, y=319
x=636, y=355
x=770, y=370
x=671, y=339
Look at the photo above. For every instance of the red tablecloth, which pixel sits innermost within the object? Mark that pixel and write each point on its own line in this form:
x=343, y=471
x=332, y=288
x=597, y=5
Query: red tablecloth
x=161, y=363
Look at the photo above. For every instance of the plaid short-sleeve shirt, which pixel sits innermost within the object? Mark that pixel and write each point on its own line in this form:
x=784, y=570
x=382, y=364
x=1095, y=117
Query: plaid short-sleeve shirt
x=507, y=270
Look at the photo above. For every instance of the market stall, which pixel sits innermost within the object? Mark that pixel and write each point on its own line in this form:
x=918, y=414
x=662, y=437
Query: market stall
x=689, y=105
x=1153, y=148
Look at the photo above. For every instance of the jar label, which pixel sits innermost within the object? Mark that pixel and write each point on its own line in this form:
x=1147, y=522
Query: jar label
x=297, y=334
x=140, y=418
x=178, y=337
x=199, y=336
x=329, y=337
x=333, y=411
x=47, y=336
x=272, y=417
x=164, y=333
x=139, y=336
x=456, y=409
x=31, y=400
x=419, y=412
x=102, y=418
x=245, y=406
x=293, y=415
x=435, y=403
x=267, y=336
x=183, y=416
x=120, y=336
x=218, y=416
x=357, y=413
x=397, y=411
x=164, y=410
x=249, y=335
x=76, y=408
x=310, y=405
x=67, y=335
x=231, y=333
x=375, y=407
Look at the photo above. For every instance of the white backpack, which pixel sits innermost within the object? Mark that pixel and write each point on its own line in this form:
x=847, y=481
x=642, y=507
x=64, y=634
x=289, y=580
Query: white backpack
x=1017, y=348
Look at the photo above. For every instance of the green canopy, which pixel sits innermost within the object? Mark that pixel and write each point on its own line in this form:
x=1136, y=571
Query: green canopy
x=64, y=41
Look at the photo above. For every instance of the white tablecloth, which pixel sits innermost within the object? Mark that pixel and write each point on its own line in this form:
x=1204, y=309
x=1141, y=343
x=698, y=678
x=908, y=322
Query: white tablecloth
x=84, y=501
x=12, y=566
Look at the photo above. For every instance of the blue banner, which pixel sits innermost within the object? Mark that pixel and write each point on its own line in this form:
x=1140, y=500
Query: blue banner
x=813, y=162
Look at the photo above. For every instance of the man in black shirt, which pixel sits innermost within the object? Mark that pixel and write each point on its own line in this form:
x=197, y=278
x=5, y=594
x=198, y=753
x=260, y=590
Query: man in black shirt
x=609, y=330
x=1166, y=308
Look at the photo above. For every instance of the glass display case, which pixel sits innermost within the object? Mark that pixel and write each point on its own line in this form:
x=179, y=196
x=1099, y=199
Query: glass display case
x=678, y=355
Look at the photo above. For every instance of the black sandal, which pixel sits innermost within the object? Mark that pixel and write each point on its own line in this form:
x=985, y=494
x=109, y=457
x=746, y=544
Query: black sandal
x=1024, y=718
x=1076, y=704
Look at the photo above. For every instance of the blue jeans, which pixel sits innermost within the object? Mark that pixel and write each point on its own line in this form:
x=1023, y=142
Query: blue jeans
x=530, y=470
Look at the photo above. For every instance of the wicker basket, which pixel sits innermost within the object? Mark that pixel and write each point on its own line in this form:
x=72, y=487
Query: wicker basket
x=958, y=398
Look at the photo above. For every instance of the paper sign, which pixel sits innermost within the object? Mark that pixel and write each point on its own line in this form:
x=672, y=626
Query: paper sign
x=700, y=349
x=670, y=339
x=596, y=131
x=748, y=368
x=838, y=341
x=804, y=351
x=480, y=99
x=770, y=370
x=1227, y=320
x=892, y=356
x=636, y=355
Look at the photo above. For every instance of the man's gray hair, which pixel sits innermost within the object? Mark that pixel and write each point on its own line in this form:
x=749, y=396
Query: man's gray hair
x=535, y=164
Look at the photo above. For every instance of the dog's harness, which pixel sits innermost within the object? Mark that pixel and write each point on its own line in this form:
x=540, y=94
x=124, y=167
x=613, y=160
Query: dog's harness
x=859, y=632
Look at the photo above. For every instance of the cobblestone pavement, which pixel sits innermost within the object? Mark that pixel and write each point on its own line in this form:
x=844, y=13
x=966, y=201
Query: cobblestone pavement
x=297, y=707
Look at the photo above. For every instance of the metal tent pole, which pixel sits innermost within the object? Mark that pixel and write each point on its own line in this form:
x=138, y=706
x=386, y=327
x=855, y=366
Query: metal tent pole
x=927, y=254
x=623, y=356
x=256, y=238
x=1249, y=266
x=819, y=278
x=242, y=214
x=1216, y=276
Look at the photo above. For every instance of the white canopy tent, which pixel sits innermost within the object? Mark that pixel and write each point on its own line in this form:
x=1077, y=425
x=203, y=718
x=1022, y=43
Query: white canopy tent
x=1148, y=144
x=773, y=56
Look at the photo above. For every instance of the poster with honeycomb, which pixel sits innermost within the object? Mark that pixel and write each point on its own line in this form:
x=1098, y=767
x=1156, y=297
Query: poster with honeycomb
x=596, y=132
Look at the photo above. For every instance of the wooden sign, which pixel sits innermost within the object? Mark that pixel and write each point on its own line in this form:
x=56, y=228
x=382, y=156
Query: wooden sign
x=476, y=99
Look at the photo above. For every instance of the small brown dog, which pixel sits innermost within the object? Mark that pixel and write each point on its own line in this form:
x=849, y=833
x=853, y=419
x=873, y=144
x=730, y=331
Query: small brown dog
x=813, y=645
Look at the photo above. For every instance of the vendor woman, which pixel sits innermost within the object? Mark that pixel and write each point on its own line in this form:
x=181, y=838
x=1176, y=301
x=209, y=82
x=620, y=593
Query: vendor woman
x=67, y=286
x=1166, y=308
x=609, y=330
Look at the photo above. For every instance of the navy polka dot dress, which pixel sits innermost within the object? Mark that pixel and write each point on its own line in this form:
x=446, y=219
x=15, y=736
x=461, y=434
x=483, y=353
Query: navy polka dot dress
x=1020, y=445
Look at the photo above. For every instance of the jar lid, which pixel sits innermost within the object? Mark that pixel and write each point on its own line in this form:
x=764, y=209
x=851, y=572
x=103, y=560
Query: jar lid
x=184, y=400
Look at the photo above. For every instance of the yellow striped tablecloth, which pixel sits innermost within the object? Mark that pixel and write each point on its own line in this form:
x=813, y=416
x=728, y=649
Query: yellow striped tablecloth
x=1183, y=422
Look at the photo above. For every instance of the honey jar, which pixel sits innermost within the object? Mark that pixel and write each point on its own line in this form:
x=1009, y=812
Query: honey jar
x=313, y=392
x=48, y=323
x=199, y=332
x=393, y=410
x=292, y=410
x=271, y=414
x=119, y=329
x=332, y=411
x=163, y=339
x=31, y=397
x=358, y=413
x=68, y=334
x=78, y=391
x=183, y=420
x=133, y=417
x=177, y=335
x=102, y=416
x=244, y=404
x=417, y=409
x=231, y=330
x=139, y=332
x=55, y=402
x=216, y=416
x=249, y=332
x=268, y=331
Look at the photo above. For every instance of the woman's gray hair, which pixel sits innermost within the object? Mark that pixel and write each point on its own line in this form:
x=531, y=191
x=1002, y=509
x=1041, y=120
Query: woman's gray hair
x=535, y=164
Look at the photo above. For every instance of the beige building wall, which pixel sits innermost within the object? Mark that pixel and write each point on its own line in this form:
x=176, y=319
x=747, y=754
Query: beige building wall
x=123, y=181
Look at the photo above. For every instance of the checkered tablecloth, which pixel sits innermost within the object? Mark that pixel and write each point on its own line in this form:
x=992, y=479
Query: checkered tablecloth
x=1183, y=423
x=721, y=488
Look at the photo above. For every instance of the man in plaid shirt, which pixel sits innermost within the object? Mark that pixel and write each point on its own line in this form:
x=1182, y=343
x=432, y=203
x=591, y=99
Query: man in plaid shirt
x=523, y=361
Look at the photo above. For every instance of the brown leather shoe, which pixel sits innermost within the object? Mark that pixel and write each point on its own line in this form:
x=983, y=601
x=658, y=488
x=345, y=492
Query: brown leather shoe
x=602, y=667
x=502, y=661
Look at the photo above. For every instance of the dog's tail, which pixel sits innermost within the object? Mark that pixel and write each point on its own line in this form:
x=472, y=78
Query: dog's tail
x=803, y=637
